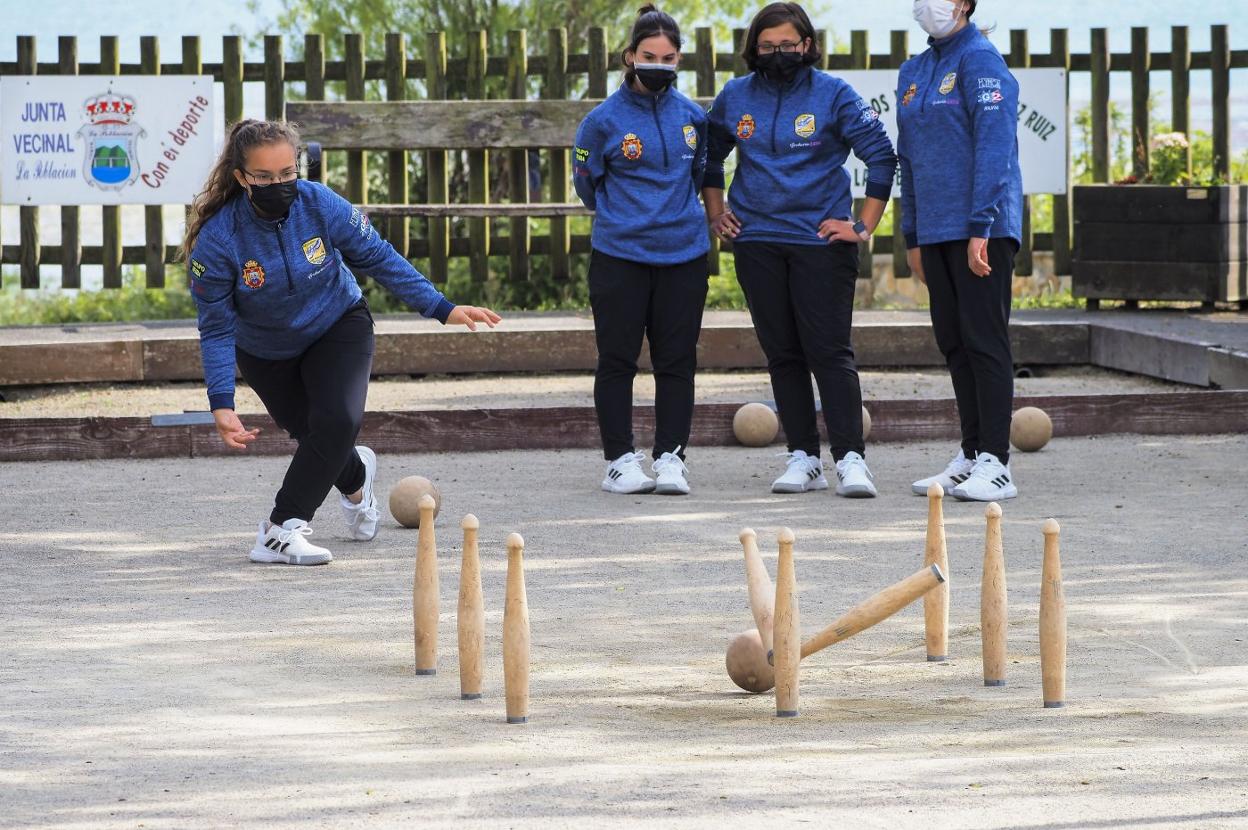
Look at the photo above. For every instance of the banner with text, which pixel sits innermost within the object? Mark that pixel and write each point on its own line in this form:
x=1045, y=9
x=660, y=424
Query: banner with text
x=99, y=140
x=1042, y=124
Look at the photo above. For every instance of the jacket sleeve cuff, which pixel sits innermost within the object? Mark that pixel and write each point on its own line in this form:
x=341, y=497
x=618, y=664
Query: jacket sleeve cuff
x=442, y=310
x=912, y=241
x=980, y=230
x=221, y=400
x=714, y=177
x=880, y=190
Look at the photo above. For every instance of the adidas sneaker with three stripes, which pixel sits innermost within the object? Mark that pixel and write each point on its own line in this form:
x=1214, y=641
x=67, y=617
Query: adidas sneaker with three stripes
x=957, y=471
x=804, y=473
x=288, y=544
x=989, y=481
x=624, y=475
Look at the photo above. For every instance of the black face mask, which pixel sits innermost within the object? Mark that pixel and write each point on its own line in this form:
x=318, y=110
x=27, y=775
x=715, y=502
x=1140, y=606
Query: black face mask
x=655, y=77
x=780, y=66
x=274, y=199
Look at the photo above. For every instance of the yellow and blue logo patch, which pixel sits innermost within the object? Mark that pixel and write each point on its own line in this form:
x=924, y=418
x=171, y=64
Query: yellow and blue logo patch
x=314, y=250
x=947, y=85
x=804, y=125
x=691, y=136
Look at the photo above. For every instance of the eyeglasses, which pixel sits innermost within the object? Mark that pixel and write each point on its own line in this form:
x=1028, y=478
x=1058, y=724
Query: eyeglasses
x=768, y=49
x=264, y=179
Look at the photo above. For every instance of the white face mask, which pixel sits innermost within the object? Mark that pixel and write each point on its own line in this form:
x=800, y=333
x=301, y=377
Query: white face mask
x=936, y=17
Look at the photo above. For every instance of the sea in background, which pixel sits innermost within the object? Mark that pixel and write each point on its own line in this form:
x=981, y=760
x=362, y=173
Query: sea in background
x=210, y=19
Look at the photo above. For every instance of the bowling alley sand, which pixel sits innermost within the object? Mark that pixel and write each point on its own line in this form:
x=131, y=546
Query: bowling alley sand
x=152, y=677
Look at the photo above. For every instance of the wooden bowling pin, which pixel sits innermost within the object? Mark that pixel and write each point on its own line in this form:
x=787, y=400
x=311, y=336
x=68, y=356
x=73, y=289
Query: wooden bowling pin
x=1052, y=620
x=788, y=631
x=993, y=616
x=471, y=614
x=875, y=609
x=936, y=603
x=425, y=592
x=516, y=634
x=762, y=594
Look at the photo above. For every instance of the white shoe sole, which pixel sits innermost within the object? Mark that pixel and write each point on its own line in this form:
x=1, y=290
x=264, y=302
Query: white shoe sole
x=1004, y=494
x=611, y=487
x=784, y=488
x=268, y=557
x=856, y=491
x=671, y=489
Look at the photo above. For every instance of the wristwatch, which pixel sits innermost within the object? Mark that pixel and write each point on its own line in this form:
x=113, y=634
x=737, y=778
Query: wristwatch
x=860, y=228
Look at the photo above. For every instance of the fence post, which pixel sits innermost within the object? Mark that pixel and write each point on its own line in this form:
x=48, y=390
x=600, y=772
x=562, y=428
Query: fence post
x=232, y=78
x=478, y=162
x=1140, y=64
x=110, y=64
x=1181, y=88
x=436, y=184
x=71, y=237
x=555, y=86
x=599, y=62
x=314, y=83
x=1100, y=105
x=153, y=215
x=274, y=79
x=396, y=90
x=1020, y=58
x=860, y=58
x=739, y=66
x=1220, y=64
x=518, y=160
x=28, y=215
x=357, y=162
x=192, y=64
x=1059, y=48
x=899, y=52
x=705, y=36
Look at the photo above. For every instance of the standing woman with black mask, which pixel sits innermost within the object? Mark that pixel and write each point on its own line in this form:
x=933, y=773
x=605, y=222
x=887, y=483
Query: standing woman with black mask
x=794, y=238
x=639, y=160
x=962, y=200
x=268, y=256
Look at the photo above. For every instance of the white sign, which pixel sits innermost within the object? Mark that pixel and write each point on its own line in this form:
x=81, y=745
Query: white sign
x=99, y=140
x=1042, y=125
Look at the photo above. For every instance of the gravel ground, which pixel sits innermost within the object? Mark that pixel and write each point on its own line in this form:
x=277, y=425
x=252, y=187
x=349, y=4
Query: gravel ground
x=491, y=391
x=151, y=677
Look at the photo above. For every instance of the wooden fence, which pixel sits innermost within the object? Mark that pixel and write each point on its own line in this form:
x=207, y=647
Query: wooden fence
x=558, y=72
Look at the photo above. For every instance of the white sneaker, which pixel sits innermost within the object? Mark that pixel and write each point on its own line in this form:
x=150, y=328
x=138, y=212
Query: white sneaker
x=669, y=471
x=362, y=518
x=990, y=481
x=805, y=472
x=624, y=475
x=853, y=478
x=288, y=544
x=957, y=471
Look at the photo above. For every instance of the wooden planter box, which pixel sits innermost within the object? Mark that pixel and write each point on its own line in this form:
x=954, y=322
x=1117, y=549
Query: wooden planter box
x=1149, y=242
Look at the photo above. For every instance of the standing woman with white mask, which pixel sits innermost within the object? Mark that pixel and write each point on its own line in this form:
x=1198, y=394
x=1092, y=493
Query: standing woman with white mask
x=962, y=209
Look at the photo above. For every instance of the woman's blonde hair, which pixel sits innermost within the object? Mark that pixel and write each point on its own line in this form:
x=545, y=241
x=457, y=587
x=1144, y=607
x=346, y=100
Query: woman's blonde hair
x=222, y=185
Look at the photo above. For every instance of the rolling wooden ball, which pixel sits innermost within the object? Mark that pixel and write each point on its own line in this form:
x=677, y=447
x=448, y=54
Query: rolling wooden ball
x=755, y=425
x=747, y=663
x=1030, y=429
x=405, y=499
x=866, y=424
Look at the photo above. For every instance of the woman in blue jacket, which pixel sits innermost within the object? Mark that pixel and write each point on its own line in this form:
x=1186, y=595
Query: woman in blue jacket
x=962, y=200
x=639, y=159
x=794, y=238
x=268, y=261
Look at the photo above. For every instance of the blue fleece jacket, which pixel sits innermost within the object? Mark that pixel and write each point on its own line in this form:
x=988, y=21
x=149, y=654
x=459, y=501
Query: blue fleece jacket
x=638, y=162
x=272, y=288
x=792, y=141
x=957, y=118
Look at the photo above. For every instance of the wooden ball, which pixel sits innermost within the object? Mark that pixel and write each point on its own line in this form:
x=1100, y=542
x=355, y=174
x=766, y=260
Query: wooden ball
x=866, y=424
x=747, y=663
x=405, y=500
x=755, y=425
x=1030, y=429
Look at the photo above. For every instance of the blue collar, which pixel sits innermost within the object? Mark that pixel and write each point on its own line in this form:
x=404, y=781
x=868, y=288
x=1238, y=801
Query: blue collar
x=954, y=41
x=645, y=99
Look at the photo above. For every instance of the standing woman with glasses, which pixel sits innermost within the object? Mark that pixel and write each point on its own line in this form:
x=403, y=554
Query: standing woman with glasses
x=640, y=156
x=794, y=237
x=268, y=257
x=962, y=200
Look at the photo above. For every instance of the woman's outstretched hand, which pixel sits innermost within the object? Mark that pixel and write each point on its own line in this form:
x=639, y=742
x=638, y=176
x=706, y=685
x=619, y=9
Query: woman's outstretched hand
x=470, y=315
x=232, y=431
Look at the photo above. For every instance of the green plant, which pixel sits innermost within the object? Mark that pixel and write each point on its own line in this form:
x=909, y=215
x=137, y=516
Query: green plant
x=133, y=301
